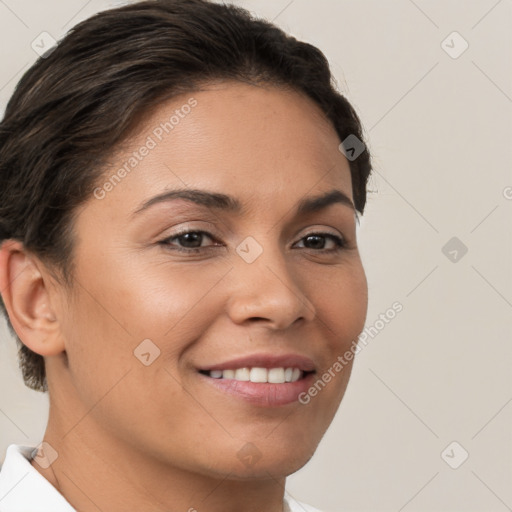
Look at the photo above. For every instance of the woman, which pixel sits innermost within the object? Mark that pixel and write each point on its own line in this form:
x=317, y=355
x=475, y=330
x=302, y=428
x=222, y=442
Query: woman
x=180, y=186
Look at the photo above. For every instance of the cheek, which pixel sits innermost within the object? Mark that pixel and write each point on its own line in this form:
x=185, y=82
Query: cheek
x=109, y=321
x=169, y=304
x=120, y=308
x=97, y=344
x=343, y=311
x=143, y=300
x=342, y=301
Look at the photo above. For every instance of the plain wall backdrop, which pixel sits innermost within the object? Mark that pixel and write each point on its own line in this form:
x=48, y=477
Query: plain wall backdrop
x=433, y=385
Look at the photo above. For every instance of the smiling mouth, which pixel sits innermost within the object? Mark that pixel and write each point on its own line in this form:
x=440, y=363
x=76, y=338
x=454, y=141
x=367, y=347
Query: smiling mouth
x=278, y=375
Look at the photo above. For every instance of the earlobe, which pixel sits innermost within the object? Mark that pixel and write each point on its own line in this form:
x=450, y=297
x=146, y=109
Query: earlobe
x=26, y=294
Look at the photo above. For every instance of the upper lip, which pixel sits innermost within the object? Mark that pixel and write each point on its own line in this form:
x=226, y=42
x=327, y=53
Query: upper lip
x=265, y=361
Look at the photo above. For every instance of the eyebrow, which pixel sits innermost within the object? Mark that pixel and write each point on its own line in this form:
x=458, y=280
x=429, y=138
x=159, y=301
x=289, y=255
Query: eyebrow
x=227, y=203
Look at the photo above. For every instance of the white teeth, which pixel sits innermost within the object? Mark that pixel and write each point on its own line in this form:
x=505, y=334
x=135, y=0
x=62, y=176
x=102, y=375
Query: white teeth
x=228, y=374
x=242, y=374
x=276, y=375
x=257, y=374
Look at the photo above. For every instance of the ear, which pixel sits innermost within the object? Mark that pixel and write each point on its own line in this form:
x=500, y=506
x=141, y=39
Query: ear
x=26, y=292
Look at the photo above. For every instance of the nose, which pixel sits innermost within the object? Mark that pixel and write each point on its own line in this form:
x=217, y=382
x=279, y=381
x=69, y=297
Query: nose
x=266, y=291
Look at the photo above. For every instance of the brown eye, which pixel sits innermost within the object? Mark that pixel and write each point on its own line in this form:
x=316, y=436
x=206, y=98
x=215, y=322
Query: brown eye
x=317, y=241
x=188, y=241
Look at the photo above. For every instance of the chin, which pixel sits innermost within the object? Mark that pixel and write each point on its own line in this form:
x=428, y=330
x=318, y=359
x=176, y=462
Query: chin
x=263, y=462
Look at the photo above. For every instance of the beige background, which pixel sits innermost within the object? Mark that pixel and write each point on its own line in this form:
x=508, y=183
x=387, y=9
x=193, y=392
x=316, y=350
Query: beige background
x=440, y=129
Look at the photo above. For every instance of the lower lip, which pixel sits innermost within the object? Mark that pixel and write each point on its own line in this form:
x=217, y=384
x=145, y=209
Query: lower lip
x=263, y=393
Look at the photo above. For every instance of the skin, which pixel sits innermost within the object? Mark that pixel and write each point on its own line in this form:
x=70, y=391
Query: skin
x=130, y=436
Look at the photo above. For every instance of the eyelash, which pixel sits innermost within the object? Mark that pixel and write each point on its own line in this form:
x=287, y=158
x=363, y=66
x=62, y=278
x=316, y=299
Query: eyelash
x=340, y=242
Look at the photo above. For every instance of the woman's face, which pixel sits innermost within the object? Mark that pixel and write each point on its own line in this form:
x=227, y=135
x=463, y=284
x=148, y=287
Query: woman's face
x=257, y=283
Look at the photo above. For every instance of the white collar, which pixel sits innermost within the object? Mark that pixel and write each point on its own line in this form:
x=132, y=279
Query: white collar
x=23, y=488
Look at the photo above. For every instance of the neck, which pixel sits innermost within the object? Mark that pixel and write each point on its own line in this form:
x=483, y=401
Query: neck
x=96, y=470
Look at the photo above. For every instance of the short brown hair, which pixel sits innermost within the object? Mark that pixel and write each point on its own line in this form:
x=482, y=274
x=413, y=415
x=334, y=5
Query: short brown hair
x=79, y=102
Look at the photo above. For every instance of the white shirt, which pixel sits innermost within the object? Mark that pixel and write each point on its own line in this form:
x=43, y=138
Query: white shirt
x=24, y=489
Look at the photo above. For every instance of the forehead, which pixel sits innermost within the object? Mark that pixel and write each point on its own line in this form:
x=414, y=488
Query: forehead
x=253, y=142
